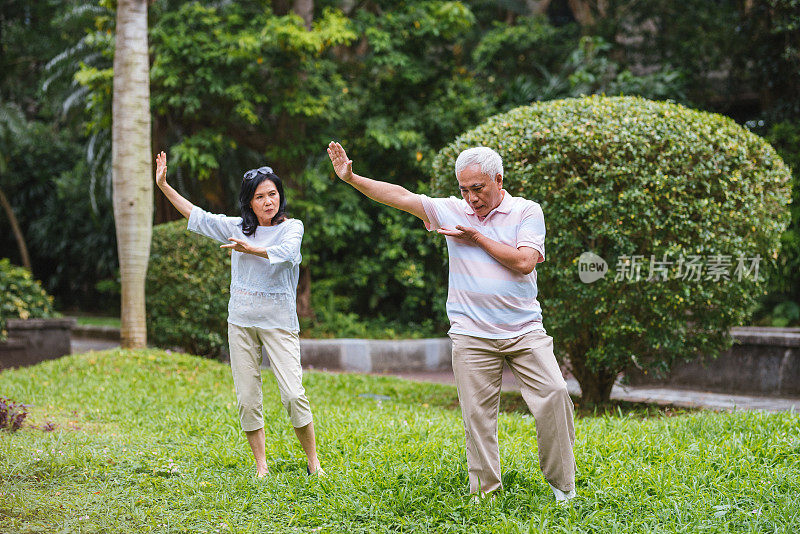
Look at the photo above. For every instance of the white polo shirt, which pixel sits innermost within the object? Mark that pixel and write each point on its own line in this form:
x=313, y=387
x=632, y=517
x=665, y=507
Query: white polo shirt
x=484, y=298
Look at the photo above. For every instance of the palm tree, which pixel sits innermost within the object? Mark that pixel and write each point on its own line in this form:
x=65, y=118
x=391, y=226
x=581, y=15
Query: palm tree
x=131, y=170
x=63, y=86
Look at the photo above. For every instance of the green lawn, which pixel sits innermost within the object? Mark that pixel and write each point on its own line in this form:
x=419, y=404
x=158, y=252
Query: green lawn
x=149, y=442
x=91, y=320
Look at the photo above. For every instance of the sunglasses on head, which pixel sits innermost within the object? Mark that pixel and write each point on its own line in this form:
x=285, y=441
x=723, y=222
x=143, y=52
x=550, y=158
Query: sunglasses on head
x=252, y=173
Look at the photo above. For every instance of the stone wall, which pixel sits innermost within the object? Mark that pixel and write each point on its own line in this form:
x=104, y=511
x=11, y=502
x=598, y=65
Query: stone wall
x=376, y=355
x=31, y=341
x=762, y=361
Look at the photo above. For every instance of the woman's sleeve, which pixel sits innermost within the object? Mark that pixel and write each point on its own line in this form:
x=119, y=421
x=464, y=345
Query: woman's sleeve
x=219, y=227
x=288, y=250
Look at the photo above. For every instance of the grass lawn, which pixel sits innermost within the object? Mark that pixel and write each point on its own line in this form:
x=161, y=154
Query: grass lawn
x=91, y=320
x=149, y=441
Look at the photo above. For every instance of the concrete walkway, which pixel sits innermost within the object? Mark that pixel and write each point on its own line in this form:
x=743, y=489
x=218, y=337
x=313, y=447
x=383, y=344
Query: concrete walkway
x=700, y=399
x=662, y=396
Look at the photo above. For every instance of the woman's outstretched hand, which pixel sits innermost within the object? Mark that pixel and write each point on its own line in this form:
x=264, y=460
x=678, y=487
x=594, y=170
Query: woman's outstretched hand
x=240, y=245
x=341, y=165
x=180, y=203
x=161, y=169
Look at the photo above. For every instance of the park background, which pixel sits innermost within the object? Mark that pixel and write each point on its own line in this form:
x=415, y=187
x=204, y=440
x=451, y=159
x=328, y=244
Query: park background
x=235, y=85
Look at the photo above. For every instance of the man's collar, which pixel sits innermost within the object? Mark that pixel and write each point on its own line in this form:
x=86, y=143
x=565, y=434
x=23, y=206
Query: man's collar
x=505, y=204
x=503, y=207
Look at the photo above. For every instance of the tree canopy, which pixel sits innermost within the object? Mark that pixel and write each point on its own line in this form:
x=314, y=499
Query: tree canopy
x=235, y=85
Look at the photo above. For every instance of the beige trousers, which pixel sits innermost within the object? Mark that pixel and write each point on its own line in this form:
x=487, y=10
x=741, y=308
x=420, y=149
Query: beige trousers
x=478, y=369
x=283, y=350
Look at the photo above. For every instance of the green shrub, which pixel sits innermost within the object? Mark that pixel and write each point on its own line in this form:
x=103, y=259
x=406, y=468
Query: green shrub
x=21, y=297
x=188, y=286
x=626, y=176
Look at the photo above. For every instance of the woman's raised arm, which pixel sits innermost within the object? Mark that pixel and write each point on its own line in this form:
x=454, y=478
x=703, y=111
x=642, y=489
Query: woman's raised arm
x=180, y=203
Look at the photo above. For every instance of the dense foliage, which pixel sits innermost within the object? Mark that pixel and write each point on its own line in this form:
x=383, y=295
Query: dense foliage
x=45, y=176
x=239, y=84
x=679, y=203
x=21, y=297
x=61, y=207
x=188, y=286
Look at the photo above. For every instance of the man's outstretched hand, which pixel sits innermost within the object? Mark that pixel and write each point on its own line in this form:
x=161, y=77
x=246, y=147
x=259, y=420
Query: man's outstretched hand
x=341, y=165
x=387, y=193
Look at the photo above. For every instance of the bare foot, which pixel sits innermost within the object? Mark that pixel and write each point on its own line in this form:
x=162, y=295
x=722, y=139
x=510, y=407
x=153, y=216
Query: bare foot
x=261, y=471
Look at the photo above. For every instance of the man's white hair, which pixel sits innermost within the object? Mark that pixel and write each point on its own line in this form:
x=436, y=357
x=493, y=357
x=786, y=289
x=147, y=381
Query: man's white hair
x=490, y=161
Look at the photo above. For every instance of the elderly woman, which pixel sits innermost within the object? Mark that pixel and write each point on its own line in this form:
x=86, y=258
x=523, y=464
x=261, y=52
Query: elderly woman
x=265, y=261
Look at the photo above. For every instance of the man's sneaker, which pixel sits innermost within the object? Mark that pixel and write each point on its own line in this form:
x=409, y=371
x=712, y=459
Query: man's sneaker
x=318, y=473
x=561, y=496
x=476, y=498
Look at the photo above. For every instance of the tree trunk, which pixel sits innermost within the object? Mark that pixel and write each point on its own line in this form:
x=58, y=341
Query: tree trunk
x=304, y=8
x=132, y=171
x=595, y=384
x=12, y=219
x=304, y=308
x=582, y=11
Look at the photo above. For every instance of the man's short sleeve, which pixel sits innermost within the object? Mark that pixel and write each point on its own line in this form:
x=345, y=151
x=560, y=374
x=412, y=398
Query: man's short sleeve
x=531, y=230
x=437, y=210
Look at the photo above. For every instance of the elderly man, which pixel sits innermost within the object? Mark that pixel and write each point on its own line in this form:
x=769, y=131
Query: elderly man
x=494, y=242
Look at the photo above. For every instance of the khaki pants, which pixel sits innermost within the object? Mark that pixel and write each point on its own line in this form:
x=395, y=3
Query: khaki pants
x=478, y=369
x=283, y=350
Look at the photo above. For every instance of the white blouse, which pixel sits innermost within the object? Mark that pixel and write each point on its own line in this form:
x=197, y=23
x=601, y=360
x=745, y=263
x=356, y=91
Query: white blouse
x=263, y=291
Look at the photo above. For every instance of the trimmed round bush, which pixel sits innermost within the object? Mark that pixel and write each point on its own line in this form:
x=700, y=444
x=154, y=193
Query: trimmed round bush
x=653, y=189
x=188, y=286
x=21, y=297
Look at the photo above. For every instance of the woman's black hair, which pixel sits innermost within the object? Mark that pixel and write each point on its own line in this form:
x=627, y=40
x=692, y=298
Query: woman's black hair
x=248, y=191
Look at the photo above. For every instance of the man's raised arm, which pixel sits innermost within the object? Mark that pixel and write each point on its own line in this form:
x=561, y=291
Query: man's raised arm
x=390, y=194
